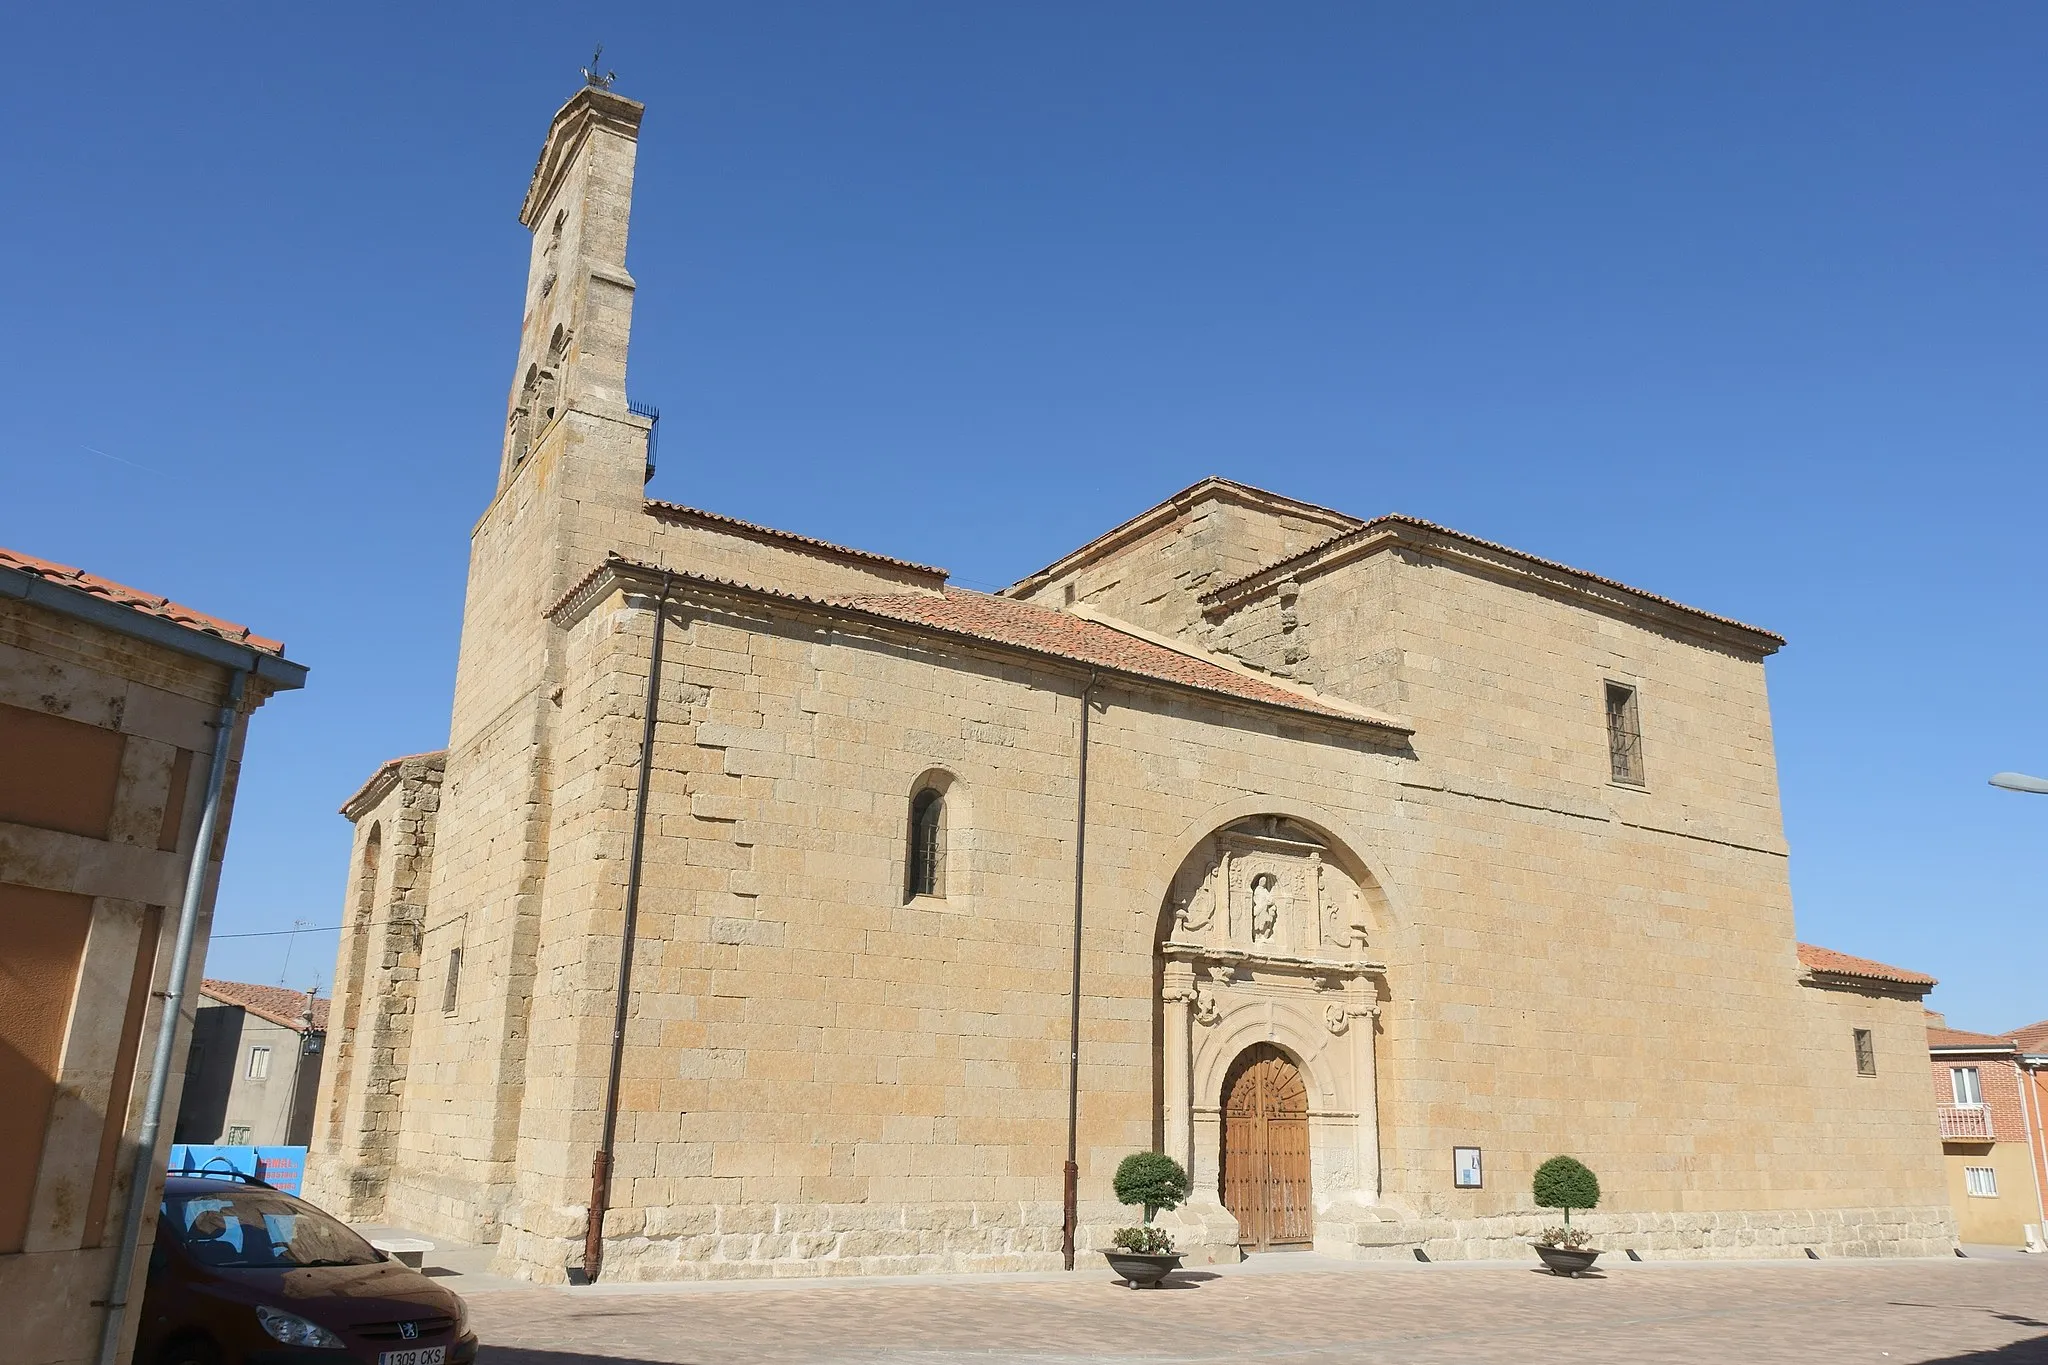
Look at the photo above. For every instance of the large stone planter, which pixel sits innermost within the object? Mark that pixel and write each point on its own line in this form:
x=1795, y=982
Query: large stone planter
x=1140, y=1270
x=1566, y=1260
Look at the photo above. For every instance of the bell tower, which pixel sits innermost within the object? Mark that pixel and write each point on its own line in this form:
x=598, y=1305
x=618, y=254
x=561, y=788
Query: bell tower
x=579, y=296
x=572, y=470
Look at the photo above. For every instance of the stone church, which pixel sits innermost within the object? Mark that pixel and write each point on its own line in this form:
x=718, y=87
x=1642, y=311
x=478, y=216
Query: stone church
x=805, y=914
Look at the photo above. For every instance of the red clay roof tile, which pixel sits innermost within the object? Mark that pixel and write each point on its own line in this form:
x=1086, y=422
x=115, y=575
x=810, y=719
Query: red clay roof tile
x=1819, y=959
x=678, y=511
x=1006, y=620
x=275, y=1003
x=147, y=603
x=2032, y=1038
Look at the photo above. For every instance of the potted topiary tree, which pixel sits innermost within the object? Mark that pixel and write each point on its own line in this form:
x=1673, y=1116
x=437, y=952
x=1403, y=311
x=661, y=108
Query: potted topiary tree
x=1143, y=1255
x=1565, y=1183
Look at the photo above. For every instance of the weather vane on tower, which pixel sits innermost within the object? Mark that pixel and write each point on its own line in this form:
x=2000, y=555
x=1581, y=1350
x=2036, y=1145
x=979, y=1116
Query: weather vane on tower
x=595, y=79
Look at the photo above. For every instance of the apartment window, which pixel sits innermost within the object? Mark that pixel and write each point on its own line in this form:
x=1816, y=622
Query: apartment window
x=1624, y=735
x=1982, y=1181
x=1968, y=1087
x=452, y=982
x=259, y=1063
x=237, y=1136
x=1866, y=1053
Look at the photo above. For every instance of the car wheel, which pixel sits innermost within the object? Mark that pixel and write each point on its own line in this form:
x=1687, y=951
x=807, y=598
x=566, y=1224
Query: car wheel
x=190, y=1351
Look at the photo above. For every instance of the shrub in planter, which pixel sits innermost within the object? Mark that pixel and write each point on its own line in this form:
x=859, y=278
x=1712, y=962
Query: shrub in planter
x=1152, y=1179
x=1565, y=1183
x=1142, y=1241
x=1570, y=1239
x=1144, y=1255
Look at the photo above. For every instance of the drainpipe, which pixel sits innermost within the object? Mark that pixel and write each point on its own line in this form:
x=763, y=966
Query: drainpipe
x=2030, y=1124
x=144, y=1172
x=601, y=1164
x=1073, y=1169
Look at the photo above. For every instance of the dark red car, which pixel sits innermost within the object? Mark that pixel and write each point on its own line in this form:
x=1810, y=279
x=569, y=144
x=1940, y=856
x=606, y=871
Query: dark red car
x=243, y=1274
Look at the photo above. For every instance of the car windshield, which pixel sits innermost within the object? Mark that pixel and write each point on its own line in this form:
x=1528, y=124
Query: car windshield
x=239, y=1226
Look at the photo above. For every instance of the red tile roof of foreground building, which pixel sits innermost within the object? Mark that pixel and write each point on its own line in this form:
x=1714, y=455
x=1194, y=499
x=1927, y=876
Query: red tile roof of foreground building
x=149, y=604
x=275, y=1003
x=1818, y=959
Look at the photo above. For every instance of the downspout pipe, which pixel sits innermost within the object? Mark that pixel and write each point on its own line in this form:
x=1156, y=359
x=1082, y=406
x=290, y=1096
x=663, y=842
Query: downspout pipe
x=601, y=1163
x=142, y=1176
x=1072, y=1173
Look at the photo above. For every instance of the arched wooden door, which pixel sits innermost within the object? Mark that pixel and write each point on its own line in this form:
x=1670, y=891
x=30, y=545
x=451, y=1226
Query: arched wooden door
x=1265, y=1150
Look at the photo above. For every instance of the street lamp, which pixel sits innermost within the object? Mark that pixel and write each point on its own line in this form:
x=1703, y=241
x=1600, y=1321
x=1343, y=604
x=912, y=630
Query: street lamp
x=2020, y=782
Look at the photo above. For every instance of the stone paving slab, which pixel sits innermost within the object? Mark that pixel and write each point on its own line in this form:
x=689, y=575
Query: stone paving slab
x=1983, y=1312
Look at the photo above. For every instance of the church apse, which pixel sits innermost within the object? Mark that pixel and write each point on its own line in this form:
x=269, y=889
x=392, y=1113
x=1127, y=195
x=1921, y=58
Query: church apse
x=1266, y=942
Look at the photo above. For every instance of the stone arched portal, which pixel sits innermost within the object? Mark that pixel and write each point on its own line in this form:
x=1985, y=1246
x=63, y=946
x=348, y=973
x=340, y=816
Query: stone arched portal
x=1264, y=944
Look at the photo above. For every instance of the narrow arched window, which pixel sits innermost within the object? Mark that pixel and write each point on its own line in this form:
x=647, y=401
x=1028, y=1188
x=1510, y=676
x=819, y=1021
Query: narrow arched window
x=927, y=843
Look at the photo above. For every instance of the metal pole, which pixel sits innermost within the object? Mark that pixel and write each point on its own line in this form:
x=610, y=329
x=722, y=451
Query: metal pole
x=1072, y=1174
x=143, y=1175
x=601, y=1163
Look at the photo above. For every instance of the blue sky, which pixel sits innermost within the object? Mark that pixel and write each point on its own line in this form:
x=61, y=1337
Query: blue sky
x=1744, y=304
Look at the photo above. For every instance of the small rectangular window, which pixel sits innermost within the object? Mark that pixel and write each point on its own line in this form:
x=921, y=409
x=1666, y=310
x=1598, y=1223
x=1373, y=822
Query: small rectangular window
x=1866, y=1053
x=259, y=1063
x=453, y=981
x=1624, y=735
x=237, y=1136
x=1969, y=1089
x=1983, y=1181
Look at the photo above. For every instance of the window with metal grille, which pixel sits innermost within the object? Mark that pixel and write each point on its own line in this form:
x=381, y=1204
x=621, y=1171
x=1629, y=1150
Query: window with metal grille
x=1982, y=1180
x=1866, y=1053
x=237, y=1136
x=452, y=981
x=927, y=844
x=259, y=1063
x=1624, y=735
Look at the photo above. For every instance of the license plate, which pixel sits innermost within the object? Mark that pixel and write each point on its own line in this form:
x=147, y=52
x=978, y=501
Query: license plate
x=417, y=1355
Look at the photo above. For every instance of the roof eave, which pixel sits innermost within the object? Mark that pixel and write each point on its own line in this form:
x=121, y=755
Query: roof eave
x=277, y=672
x=1395, y=528
x=616, y=570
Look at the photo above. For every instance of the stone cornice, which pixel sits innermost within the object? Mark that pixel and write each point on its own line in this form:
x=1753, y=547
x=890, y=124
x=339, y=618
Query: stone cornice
x=385, y=778
x=1174, y=951
x=1501, y=561
x=588, y=109
x=1213, y=488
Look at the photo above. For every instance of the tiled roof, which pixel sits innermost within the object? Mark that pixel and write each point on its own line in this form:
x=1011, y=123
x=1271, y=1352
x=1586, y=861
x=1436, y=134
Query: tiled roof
x=1003, y=621
x=1819, y=959
x=274, y=1003
x=1394, y=519
x=1006, y=620
x=147, y=603
x=658, y=508
x=1941, y=1036
x=2032, y=1038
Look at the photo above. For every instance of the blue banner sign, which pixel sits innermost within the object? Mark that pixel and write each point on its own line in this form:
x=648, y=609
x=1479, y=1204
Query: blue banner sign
x=281, y=1167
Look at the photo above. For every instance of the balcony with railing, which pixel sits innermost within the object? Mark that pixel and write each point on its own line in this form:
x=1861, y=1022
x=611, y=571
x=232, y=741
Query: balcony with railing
x=1965, y=1123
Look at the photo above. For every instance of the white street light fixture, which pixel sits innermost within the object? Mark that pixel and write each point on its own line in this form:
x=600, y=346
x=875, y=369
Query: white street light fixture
x=2020, y=782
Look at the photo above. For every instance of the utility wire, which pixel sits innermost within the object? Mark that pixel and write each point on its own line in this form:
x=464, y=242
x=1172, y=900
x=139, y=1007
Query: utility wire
x=280, y=933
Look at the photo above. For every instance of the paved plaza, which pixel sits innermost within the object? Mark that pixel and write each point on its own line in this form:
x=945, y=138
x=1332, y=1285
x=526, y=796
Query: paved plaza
x=1987, y=1311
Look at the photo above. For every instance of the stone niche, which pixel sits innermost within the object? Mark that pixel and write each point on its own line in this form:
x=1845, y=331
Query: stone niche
x=1266, y=936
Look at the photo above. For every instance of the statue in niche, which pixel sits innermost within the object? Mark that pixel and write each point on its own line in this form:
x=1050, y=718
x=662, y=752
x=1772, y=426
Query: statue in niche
x=1265, y=907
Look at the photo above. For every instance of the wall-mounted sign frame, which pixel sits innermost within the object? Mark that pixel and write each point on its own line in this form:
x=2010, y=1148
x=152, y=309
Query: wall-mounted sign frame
x=1467, y=1172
